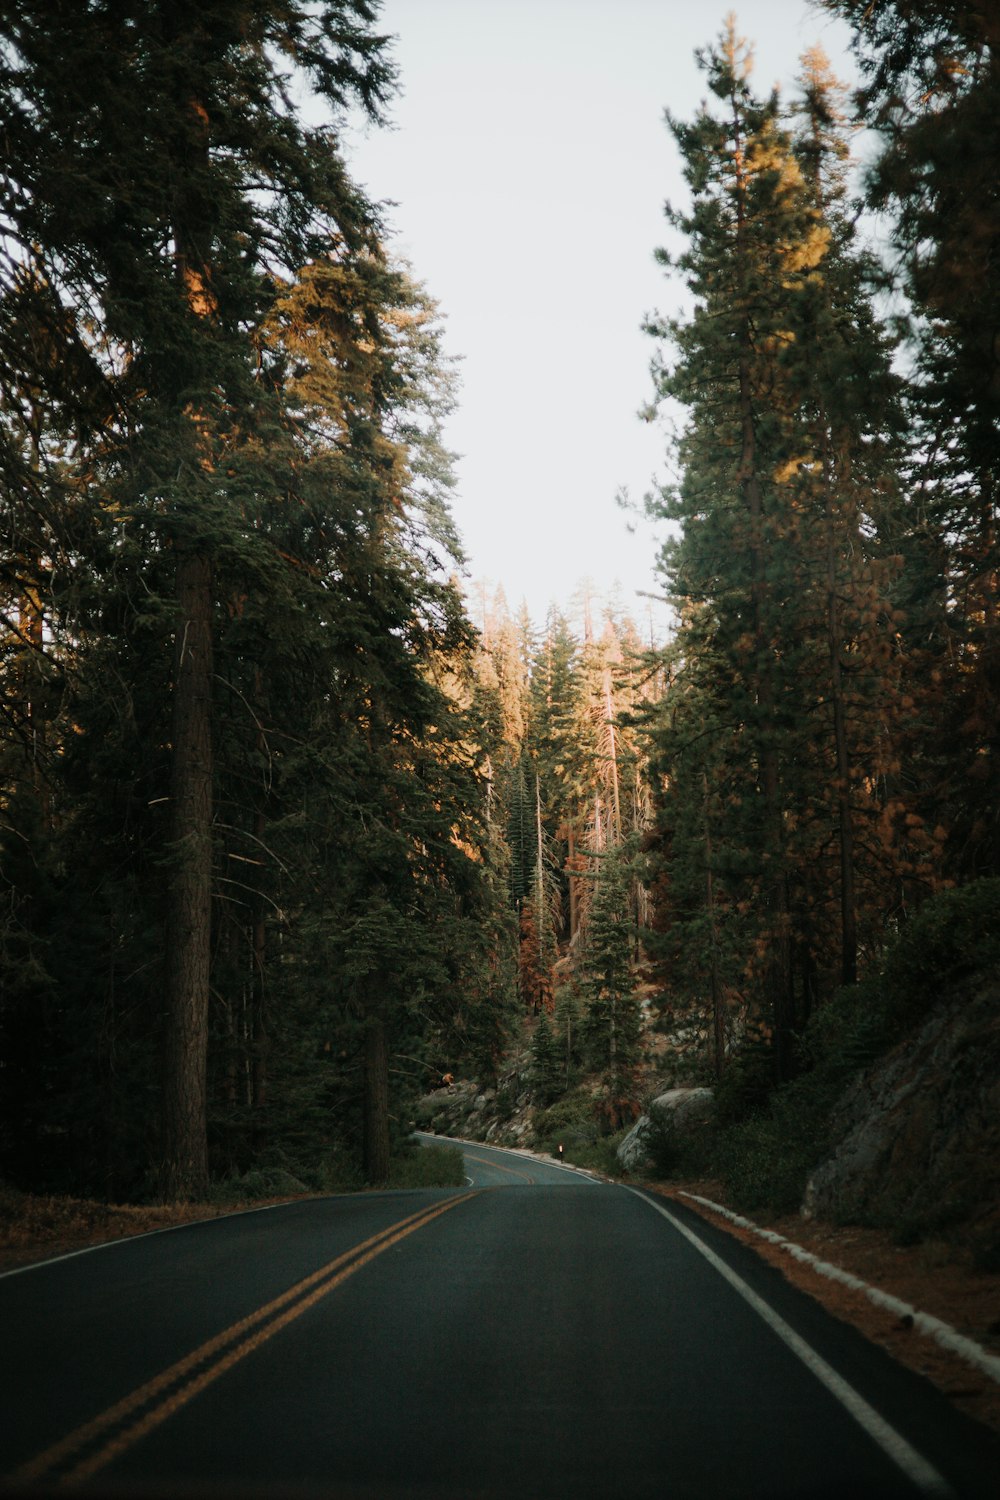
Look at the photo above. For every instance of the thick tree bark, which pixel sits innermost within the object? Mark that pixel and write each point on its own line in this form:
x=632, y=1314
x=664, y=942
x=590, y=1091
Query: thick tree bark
x=718, y=1005
x=613, y=749
x=574, y=899
x=184, y=1169
x=376, y=1113
x=848, y=902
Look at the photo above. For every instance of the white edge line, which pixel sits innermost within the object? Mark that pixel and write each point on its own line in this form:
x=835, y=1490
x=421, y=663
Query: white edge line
x=892, y=1443
x=146, y=1234
x=949, y=1338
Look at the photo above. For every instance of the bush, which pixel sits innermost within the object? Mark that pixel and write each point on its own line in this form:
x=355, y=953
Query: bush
x=340, y=1172
x=600, y=1155
x=693, y=1153
x=572, y=1123
x=746, y=1084
x=570, y=1119
x=954, y=935
x=763, y=1168
x=260, y=1182
x=428, y=1166
x=850, y=1031
x=769, y=1139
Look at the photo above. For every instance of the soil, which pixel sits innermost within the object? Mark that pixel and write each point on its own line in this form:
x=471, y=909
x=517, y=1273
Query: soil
x=934, y=1276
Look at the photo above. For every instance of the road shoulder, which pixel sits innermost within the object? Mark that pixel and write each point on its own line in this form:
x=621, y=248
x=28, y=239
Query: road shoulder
x=926, y=1277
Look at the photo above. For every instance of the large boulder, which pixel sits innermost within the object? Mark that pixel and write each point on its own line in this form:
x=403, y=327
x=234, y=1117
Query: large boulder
x=684, y=1112
x=635, y=1152
x=673, y=1116
x=919, y=1132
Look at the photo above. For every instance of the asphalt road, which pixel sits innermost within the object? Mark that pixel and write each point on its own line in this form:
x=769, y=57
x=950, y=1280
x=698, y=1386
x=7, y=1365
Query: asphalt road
x=550, y=1337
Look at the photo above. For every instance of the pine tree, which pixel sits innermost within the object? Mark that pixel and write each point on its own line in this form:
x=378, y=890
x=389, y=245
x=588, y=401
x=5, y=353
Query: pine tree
x=255, y=418
x=613, y=1022
x=566, y=1027
x=931, y=91
x=547, y=1080
x=773, y=732
x=164, y=223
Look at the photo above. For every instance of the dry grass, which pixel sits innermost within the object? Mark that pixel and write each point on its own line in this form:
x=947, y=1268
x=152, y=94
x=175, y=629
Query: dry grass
x=39, y=1228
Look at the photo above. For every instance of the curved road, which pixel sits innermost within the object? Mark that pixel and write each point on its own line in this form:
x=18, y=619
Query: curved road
x=494, y=1166
x=535, y=1333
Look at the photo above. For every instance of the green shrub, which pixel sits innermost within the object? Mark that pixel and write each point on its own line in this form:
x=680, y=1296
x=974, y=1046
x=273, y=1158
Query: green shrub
x=769, y=1139
x=765, y=1157
x=851, y=1030
x=259, y=1182
x=340, y=1172
x=693, y=1153
x=762, y=1167
x=746, y=1084
x=954, y=935
x=572, y=1123
x=569, y=1119
x=428, y=1166
x=597, y=1155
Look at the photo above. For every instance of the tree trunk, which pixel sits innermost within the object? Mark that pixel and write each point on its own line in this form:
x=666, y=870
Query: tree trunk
x=376, y=1112
x=184, y=1170
x=718, y=1008
x=848, y=904
x=574, y=900
x=613, y=746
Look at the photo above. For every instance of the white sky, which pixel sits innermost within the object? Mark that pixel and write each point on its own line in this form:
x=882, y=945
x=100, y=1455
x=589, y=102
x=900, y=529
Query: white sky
x=528, y=166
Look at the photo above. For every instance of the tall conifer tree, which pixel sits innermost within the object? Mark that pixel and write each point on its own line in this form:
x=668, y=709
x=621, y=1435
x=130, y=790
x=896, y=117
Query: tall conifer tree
x=764, y=741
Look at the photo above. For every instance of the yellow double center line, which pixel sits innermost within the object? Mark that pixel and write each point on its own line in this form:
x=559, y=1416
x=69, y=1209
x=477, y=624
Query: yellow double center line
x=90, y=1448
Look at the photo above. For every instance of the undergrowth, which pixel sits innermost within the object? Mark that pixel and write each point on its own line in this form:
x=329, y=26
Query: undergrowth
x=767, y=1140
x=570, y=1122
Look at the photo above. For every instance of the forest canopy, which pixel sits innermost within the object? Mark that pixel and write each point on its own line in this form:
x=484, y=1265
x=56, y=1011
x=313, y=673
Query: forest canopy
x=290, y=826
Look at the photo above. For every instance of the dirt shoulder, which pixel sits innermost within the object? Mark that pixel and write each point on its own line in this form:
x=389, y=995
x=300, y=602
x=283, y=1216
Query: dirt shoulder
x=932, y=1277
x=38, y=1229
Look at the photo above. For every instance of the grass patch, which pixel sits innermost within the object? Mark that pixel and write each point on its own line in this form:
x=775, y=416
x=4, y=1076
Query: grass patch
x=261, y=1182
x=428, y=1166
x=571, y=1123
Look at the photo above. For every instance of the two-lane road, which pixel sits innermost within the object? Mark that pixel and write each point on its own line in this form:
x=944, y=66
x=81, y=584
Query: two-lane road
x=534, y=1333
x=494, y=1166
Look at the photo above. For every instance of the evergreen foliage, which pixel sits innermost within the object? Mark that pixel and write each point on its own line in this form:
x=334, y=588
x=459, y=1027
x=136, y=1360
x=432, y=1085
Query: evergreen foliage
x=236, y=665
x=931, y=90
x=772, y=746
x=548, y=1079
x=283, y=835
x=613, y=1022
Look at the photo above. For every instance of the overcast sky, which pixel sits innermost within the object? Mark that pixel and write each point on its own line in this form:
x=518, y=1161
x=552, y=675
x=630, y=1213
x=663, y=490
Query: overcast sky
x=528, y=165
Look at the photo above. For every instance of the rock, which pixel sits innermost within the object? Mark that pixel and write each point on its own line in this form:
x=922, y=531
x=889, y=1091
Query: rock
x=919, y=1131
x=635, y=1152
x=678, y=1113
x=683, y=1111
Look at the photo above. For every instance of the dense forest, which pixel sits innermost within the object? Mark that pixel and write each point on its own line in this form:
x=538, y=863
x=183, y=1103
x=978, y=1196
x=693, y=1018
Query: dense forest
x=292, y=824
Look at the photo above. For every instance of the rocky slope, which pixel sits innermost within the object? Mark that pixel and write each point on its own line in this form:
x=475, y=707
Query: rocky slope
x=919, y=1132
